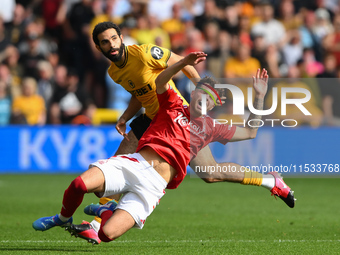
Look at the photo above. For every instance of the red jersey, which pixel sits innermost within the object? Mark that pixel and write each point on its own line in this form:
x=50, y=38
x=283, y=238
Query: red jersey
x=203, y=131
x=169, y=134
x=177, y=139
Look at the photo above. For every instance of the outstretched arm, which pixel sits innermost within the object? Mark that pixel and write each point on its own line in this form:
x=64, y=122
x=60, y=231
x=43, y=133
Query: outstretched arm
x=188, y=70
x=260, y=84
x=164, y=77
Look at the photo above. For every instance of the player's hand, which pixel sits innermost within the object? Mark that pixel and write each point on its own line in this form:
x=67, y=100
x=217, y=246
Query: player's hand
x=260, y=82
x=194, y=58
x=121, y=128
x=218, y=103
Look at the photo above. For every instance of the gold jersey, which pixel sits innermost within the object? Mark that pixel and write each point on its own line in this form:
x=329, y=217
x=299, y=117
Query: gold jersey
x=139, y=71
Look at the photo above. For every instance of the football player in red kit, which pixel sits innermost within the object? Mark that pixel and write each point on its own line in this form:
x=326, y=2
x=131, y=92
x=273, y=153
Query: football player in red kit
x=161, y=159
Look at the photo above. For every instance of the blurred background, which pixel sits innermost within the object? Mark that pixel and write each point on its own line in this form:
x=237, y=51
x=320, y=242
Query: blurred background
x=51, y=73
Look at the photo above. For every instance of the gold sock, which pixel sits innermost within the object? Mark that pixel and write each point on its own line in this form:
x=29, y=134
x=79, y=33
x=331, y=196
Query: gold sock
x=104, y=200
x=252, y=178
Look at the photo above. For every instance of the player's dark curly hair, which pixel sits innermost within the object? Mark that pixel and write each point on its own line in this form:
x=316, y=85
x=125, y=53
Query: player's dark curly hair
x=101, y=27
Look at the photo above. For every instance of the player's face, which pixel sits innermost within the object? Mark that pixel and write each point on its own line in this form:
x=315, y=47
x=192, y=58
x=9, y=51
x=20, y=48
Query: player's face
x=111, y=45
x=196, y=100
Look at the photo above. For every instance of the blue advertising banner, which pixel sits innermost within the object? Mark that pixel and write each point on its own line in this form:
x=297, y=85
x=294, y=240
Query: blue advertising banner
x=69, y=149
x=55, y=148
x=286, y=150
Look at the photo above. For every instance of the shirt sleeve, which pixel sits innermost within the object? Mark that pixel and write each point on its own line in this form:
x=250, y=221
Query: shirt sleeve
x=154, y=56
x=223, y=133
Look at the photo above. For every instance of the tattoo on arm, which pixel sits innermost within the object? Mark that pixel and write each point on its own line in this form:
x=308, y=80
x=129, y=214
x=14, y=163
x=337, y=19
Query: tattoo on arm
x=256, y=119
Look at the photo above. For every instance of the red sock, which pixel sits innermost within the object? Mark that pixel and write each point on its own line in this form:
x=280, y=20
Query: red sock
x=105, y=216
x=73, y=197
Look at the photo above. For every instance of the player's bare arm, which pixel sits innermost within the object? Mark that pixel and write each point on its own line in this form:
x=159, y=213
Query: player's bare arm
x=188, y=70
x=260, y=85
x=134, y=106
x=164, y=77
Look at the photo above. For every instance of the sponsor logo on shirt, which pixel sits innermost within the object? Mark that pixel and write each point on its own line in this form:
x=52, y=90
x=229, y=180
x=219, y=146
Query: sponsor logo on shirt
x=197, y=130
x=182, y=120
x=142, y=91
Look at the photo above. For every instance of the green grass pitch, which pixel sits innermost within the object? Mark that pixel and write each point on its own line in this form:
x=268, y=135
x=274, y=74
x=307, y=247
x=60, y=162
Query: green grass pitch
x=197, y=218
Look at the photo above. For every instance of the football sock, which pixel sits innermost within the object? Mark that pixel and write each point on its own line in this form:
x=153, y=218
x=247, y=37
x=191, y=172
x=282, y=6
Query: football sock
x=105, y=216
x=268, y=181
x=252, y=178
x=62, y=218
x=95, y=224
x=73, y=196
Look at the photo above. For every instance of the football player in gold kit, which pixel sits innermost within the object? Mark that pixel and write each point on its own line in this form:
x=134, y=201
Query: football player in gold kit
x=135, y=68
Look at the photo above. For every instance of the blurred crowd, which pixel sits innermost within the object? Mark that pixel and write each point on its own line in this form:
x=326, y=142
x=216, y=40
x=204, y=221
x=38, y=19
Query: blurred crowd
x=51, y=73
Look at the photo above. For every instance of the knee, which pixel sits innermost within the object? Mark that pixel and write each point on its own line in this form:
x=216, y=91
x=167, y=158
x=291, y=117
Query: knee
x=78, y=185
x=104, y=236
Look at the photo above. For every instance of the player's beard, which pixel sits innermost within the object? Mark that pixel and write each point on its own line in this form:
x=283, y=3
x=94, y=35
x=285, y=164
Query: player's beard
x=117, y=57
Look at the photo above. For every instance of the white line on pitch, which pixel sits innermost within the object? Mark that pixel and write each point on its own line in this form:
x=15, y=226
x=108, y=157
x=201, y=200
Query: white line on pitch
x=177, y=241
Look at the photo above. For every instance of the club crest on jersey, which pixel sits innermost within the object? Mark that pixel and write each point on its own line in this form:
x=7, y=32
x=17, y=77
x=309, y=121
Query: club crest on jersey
x=156, y=52
x=132, y=85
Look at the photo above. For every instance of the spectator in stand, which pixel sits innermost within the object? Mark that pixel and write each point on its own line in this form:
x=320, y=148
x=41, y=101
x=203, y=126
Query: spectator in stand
x=292, y=111
x=126, y=28
x=4, y=41
x=103, y=11
x=238, y=69
x=15, y=30
x=331, y=42
x=174, y=24
x=259, y=50
x=293, y=50
x=288, y=18
x=217, y=45
x=211, y=12
x=242, y=65
x=192, y=8
x=54, y=14
x=154, y=7
x=161, y=37
x=45, y=81
x=323, y=25
x=32, y=50
x=243, y=32
x=272, y=29
x=330, y=91
x=211, y=31
x=13, y=83
x=313, y=67
x=5, y=104
x=11, y=58
x=229, y=17
x=77, y=47
x=275, y=62
x=308, y=37
x=120, y=8
x=70, y=101
x=30, y=104
x=142, y=33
